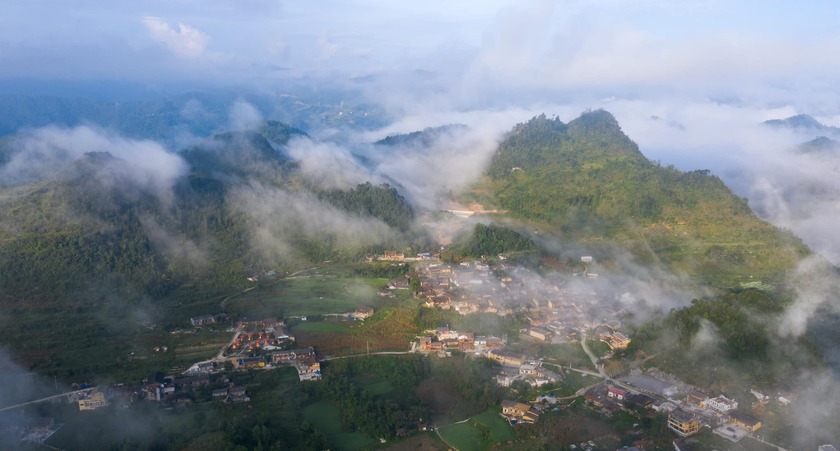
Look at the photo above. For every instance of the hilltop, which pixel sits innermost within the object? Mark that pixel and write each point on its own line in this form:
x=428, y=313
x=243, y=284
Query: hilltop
x=587, y=182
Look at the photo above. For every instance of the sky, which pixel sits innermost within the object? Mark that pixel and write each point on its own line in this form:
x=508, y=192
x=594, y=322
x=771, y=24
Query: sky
x=776, y=51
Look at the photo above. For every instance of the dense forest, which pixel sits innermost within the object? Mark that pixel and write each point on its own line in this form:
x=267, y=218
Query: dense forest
x=492, y=240
x=383, y=202
x=731, y=337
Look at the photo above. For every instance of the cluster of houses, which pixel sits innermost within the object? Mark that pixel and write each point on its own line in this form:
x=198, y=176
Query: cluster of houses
x=444, y=339
x=530, y=372
x=304, y=360
x=180, y=391
x=400, y=256
x=612, y=398
x=207, y=320
x=267, y=334
x=557, y=312
x=686, y=417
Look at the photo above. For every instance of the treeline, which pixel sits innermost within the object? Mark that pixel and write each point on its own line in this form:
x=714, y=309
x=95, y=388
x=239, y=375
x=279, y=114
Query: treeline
x=492, y=240
x=382, y=201
x=731, y=338
x=375, y=416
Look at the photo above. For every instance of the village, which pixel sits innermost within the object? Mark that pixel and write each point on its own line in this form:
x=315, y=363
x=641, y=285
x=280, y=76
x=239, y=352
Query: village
x=557, y=312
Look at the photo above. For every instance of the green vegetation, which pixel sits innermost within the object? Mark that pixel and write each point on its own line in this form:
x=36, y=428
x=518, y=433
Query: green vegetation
x=587, y=181
x=326, y=419
x=730, y=338
x=421, y=139
x=493, y=240
x=383, y=202
x=310, y=295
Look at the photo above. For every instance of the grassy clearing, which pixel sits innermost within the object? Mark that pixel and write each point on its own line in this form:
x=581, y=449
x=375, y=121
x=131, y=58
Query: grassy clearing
x=481, y=432
x=465, y=437
x=573, y=382
x=312, y=295
x=500, y=430
x=321, y=326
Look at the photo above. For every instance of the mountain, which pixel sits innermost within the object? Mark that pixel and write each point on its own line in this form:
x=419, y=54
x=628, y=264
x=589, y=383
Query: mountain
x=423, y=138
x=587, y=182
x=820, y=144
x=798, y=121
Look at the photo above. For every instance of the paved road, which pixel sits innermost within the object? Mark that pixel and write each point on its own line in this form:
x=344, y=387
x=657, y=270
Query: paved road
x=592, y=357
x=45, y=399
x=367, y=354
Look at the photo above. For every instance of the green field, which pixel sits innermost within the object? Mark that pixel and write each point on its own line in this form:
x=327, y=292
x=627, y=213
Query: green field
x=481, y=432
x=500, y=430
x=465, y=437
x=326, y=418
x=312, y=295
x=321, y=326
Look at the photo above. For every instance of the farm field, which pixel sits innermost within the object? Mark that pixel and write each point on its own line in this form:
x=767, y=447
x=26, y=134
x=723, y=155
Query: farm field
x=481, y=432
x=304, y=296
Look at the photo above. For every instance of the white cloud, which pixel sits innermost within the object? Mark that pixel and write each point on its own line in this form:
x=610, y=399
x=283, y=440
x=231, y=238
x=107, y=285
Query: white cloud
x=244, y=116
x=186, y=41
x=46, y=150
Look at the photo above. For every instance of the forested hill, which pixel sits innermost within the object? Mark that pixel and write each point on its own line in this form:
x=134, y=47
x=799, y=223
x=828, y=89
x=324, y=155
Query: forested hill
x=423, y=138
x=98, y=223
x=586, y=181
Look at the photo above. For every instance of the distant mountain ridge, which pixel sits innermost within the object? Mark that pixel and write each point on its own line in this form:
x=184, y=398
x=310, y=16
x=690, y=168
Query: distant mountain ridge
x=423, y=138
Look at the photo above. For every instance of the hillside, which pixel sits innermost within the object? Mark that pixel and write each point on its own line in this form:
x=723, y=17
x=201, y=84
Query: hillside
x=93, y=215
x=587, y=182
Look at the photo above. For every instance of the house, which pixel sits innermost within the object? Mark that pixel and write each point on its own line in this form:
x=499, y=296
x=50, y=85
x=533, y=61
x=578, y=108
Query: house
x=618, y=341
x=157, y=391
x=520, y=412
x=202, y=320
x=237, y=394
x=617, y=393
x=696, y=398
x=249, y=362
x=444, y=333
x=392, y=255
x=539, y=333
x=683, y=423
x=720, y=404
x=639, y=400
x=527, y=369
x=191, y=382
x=93, y=400
x=507, y=378
x=586, y=259
x=220, y=393
x=292, y=354
x=363, y=313
x=506, y=358
x=745, y=421
x=399, y=284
